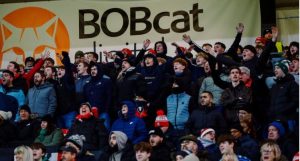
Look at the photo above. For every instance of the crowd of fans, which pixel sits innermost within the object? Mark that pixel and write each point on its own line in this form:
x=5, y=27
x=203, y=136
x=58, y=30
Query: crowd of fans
x=238, y=104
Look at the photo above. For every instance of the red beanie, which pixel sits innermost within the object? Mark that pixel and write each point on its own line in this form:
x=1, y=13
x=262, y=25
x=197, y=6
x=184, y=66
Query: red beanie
x=161, y=119
x=152, y=51
x=127, y=52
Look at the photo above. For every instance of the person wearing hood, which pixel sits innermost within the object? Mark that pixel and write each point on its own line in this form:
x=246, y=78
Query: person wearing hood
x=98, y=92
x=92, y=128
x=278, y=133
x=206, y=115
x=41, y=98
x=120, y=149
x=129, y=124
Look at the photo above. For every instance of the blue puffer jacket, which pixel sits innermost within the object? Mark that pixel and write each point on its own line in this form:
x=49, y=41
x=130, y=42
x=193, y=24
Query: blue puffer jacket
x=42, y=99
x=178, y=109
x=80, y=82
x=18, y=94
x=132, y=126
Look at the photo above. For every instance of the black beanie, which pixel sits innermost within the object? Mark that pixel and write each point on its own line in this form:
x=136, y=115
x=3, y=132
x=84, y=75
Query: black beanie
x=26, y=108
x=251, y=48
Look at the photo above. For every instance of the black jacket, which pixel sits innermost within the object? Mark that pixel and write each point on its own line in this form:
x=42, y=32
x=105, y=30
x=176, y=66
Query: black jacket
x=284, y=99
x=130, y=84
x=94, y=131
x=161, y=152
x=206, y=117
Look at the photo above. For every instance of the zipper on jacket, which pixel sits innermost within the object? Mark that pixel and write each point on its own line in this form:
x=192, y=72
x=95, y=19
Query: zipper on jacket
x=176, y=111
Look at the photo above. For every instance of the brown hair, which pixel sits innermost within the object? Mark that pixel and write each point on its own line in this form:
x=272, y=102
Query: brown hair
x=143, y=146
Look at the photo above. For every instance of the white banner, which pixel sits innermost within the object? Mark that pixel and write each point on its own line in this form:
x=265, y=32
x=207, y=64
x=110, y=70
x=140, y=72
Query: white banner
x=27, y=29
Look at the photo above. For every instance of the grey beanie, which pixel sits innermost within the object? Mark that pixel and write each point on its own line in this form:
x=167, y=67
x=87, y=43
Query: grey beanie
x=77, y=140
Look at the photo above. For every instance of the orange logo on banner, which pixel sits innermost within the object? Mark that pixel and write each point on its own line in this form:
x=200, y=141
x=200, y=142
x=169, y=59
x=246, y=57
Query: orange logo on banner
x=28, y=31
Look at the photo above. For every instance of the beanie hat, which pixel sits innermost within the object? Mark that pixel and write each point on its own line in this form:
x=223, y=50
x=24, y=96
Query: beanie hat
x=152, y=51
x=47, y=118
x=26, y=108
x=260, y=39
x=121, y=139
x=161, y=119
x=189, y=137
x=279, y=127
x=284, y=66
x=267, y=30
x=87, y=104
x=156, y=131
x=6, y=115
x=29, y=59
x=127, y=52
x=79, y=54
x=205, y=131
x=77, y=140
x=251, y=48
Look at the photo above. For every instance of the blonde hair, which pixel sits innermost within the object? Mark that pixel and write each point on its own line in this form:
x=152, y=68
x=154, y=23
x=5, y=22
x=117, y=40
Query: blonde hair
x=271, y=146
x=229, y=157
x=26, y=151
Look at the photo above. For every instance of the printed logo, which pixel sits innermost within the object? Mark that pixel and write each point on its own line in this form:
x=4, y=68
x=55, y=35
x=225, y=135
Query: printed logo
x=28, y=32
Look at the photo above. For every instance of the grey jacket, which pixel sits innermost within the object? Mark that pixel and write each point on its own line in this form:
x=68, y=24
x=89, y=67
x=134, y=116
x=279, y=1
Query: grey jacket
x=42, y=99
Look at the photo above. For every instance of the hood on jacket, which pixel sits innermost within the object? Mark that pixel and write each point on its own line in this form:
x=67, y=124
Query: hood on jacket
x=121, y=139
x=155, y=62
x=99, y=71
x=131, y=108
x=164, y=53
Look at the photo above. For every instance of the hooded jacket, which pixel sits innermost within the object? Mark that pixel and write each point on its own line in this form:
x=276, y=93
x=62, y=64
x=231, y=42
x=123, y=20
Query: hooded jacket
x=131, y=125
x=98, y=92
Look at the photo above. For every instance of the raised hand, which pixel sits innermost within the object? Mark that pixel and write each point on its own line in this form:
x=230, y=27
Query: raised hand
x=186, y=38
x=174, y=44
x=60, y=56
x=108, y=54
x=274, y=33
x=146, y=44
x=46, y=54
x=240, y=28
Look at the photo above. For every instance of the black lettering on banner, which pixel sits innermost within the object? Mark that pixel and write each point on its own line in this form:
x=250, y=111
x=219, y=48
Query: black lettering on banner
x=104, y=20
x=156, y=23
x=185, y=20
x=195, y=12
x=83, y=23
x=134, y=20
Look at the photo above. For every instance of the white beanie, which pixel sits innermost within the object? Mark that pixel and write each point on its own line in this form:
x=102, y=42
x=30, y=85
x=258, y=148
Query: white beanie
x=205, y=131
x=5, y=115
